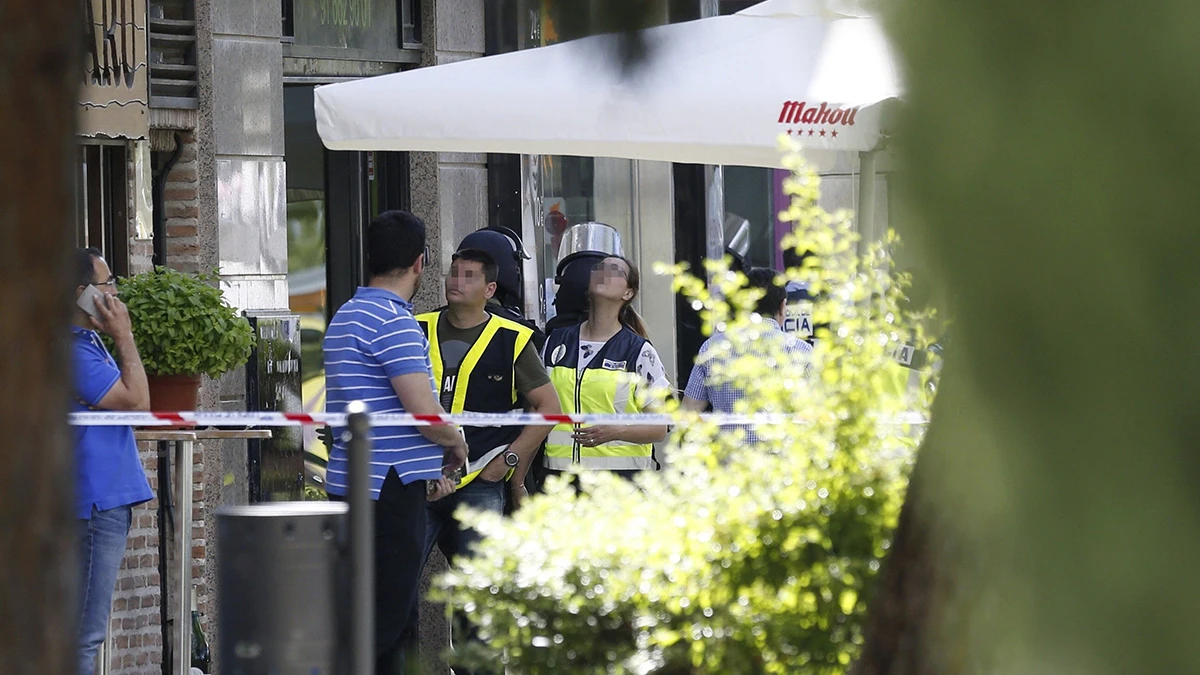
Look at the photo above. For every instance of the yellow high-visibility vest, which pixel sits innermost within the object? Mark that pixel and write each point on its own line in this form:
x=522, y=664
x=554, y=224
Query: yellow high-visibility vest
x=484, y=382
x=608, y=384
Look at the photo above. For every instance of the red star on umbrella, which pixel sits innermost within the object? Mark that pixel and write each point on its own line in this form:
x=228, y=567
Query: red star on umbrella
x=810, y=132
x=834, y=132
x=791, y=131
x=822, y=132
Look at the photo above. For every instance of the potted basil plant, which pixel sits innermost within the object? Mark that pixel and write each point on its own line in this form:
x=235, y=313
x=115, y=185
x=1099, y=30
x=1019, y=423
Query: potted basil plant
x=183, y=329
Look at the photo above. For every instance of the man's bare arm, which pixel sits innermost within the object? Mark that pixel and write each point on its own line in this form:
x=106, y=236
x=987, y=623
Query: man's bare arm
x=417, y=398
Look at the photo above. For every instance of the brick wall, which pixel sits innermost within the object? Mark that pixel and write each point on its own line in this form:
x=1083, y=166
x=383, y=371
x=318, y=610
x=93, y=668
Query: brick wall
x=135, y=633
x=182, y=210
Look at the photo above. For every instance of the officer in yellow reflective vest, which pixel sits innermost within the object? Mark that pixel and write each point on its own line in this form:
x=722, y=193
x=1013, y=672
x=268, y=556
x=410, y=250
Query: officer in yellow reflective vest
x=601, y=366
x=482, y=362
x=485, y=363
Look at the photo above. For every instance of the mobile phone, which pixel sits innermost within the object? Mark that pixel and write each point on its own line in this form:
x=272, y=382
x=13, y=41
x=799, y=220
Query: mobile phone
x=455, y=477
x=88, y=299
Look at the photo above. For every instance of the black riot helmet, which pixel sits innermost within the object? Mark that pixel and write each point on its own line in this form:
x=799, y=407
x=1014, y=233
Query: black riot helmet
x=506, y=249
x=573, y=275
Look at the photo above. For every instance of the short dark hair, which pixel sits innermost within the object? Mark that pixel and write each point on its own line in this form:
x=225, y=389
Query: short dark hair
x=85, y=265
x=395, y=239
x=773, y=292
x=491, y=271
x=794, y=258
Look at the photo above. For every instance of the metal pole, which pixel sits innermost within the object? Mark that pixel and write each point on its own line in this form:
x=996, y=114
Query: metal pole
x=714, y=186
x=164, y=509
x=532, y=236
x=362, y=540
x=714, y=223
x=866, y=200
x=183, y=618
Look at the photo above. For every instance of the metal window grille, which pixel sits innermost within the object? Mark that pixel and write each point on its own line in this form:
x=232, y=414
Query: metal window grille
x=174, y=78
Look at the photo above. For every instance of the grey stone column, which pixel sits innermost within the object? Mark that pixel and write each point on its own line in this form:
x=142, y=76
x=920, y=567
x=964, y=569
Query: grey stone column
x=246, y=109
x=449, y=190
x=242, y=212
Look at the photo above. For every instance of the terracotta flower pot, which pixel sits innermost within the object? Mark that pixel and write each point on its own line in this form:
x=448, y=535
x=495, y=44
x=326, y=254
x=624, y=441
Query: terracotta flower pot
x=173, y=393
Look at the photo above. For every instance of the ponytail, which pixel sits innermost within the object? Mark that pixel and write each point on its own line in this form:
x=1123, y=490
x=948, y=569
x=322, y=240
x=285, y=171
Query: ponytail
x=631, y=320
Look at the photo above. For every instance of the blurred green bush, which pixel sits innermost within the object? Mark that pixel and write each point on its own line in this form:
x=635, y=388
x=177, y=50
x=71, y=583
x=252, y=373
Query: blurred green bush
x=737, y=557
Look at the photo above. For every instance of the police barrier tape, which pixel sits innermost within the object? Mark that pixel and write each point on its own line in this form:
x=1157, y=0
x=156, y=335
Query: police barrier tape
x=280, y=419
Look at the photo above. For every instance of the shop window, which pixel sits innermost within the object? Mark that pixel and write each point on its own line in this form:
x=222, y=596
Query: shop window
x=568, y=198
x=410, y=24
x=750, y=208
x=102, y=202
x=288, y=11
x=357, y=27
x=331, y=196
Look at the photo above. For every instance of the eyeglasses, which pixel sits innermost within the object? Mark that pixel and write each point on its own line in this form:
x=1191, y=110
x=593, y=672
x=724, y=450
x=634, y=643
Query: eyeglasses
x=112, y=281
x=610, y=267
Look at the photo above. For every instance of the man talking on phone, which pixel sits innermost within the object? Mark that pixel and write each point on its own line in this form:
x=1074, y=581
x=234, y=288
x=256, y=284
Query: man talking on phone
x=109, y=479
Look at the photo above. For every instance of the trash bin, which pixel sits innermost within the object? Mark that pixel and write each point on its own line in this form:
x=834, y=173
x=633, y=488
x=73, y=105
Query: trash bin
x=283, y=588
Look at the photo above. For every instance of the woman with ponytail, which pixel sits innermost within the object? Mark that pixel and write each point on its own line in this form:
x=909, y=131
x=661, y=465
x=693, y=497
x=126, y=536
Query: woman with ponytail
x=605, y=365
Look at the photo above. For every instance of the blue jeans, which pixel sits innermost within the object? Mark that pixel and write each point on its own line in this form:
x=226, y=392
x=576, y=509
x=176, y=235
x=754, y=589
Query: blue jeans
x=444, y=531
x=101, y=549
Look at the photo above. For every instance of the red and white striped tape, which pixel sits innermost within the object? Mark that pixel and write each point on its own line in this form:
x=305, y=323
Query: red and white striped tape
x=518, y=419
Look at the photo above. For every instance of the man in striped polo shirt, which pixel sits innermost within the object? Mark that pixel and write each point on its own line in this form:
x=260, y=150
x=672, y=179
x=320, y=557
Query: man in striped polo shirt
x=376, y=352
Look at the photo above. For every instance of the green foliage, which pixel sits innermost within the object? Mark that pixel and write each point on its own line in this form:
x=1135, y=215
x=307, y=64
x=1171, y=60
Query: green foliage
x=182, y=324
x=739, y=557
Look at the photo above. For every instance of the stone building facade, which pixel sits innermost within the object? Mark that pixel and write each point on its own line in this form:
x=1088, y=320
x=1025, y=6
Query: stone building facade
x=210, y=136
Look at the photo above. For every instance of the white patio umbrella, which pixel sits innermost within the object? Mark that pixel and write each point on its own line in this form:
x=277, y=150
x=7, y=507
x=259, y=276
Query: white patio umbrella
x=714, y=91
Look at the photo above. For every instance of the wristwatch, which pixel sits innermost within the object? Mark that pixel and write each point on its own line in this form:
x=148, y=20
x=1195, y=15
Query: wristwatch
x=511, y=458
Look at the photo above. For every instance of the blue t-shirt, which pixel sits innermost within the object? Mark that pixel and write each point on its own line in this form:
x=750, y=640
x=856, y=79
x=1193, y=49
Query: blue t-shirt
x=371, y=339
x=108, y=471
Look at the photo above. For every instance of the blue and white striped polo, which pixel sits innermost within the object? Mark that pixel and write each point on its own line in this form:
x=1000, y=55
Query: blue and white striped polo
x=790, y=352
x=373, y=338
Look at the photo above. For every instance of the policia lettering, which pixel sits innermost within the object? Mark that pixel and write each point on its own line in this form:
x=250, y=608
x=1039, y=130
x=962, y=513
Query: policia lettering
x=484, y=382
x=607, y=385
